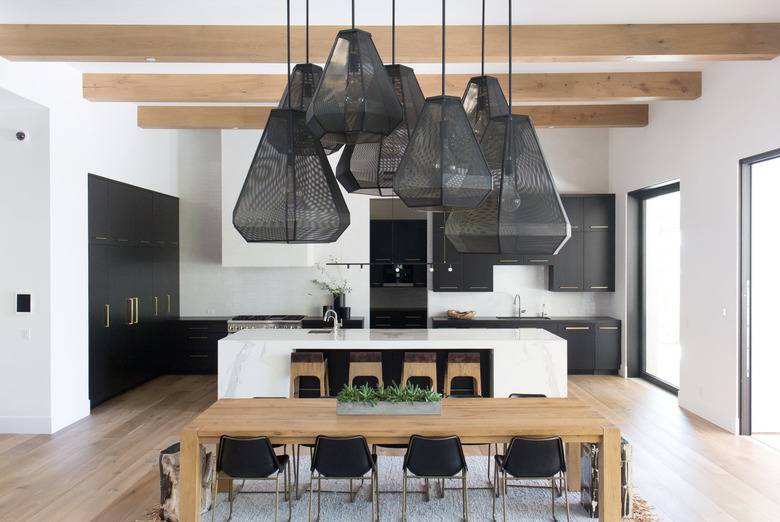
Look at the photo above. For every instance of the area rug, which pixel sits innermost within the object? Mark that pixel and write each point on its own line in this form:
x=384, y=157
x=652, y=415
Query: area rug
x=523, y=504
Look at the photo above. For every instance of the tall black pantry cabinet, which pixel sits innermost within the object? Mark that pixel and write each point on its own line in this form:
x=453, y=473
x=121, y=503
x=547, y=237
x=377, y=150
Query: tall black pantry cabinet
x=133, y=284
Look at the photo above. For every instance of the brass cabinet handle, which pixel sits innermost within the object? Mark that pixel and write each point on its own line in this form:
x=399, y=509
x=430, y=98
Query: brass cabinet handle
x=478, y=287
x=381, y=317
x=608, y=327
x=599, y=226
x=196, y=356
x=169, y=303
x=448, y=288
x=155, y=305
x=100, y=237
x=538, y=260
x=122, y=240
x=383, y=259
x=599, y=287
x=199, y=327
x=578, y=327
x=383, y=324
x=413, y=259
x=568, y=287
x=108, y=324
x=414, y=317
x=130, y=310
x=136, y=310
x=413, y=324
x=144, y=241
x=575, y=226
x=508, y=260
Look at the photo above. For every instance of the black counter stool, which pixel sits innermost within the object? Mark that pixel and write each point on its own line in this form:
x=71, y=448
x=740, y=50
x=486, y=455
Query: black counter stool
x=308, y=364
x=365, y=364
x=419, y=364
x=461, y=364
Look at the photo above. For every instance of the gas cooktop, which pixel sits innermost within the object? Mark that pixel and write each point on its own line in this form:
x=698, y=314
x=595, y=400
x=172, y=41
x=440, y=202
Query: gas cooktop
x=268, y=318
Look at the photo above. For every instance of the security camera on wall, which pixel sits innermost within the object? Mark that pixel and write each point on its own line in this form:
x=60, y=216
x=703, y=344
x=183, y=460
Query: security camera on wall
x=22, y=136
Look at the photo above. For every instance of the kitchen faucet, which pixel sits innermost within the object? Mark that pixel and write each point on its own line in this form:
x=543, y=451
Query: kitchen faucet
x=519, y=307
x=336, y=323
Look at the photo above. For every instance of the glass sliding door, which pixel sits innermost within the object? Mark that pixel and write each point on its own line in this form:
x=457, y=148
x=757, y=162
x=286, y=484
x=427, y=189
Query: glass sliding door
x=661, y=285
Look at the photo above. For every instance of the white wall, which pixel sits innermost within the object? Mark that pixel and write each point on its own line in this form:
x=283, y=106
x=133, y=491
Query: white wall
x=701, y=143
x=81, y=138
x=578, y=159
x=208, y=287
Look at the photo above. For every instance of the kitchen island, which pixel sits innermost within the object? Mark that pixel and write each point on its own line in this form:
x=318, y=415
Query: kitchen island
x=256, y=363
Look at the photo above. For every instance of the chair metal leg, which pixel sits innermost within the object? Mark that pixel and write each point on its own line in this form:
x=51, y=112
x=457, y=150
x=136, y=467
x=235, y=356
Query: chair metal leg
x=403, y=499
x=276, y=498
x=566, y=496
x=289, y=492
x=465, y=496
x=376, y=485
x=552, y=492
x=311, y=494
x=319, y=494
x=503, y=486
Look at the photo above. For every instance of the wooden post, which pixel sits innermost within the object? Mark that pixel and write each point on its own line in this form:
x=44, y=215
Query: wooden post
x=573, y=459
x=609, y=475
x=189, y=476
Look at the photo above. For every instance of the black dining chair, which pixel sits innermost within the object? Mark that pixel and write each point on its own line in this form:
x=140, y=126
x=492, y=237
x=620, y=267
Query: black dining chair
x=250, y=458
x=438, y=458
x=343, y=458
x=531, y=459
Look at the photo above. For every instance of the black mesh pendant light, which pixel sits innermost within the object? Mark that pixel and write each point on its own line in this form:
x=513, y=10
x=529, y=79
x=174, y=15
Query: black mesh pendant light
x=443, y=168
x=368, y=168
x=290, y=194
x=483, y=98
x=524, y=213
x=355, y=101
x=303, y=82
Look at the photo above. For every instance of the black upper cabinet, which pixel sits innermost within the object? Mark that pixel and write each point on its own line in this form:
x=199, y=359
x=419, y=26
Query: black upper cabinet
x=574, y=207
x=98, y=209
x=599, y=212
x=586, y=263
x=131, y=215
x=381, y=246
x=477, y=273
x=566, y=274
x=166, y=220
x=599, y=262
x=398, y=242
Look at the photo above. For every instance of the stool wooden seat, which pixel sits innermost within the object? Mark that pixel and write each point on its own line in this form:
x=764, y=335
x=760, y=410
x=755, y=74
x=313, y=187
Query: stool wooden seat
x=419, y=364
x=461, y=364
x=308, y=364
x=365, y=364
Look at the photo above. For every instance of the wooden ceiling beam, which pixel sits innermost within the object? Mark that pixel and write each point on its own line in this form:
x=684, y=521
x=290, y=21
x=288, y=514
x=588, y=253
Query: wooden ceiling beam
x=414, y=44
x=267, y=88
x=238, y=117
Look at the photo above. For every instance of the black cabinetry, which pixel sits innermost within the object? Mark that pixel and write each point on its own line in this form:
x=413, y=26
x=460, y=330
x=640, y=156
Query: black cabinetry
x=586, y=263
x=402, y=242
x=395, y=318
x=194, y=345
x=133, y=284
x=593, y=343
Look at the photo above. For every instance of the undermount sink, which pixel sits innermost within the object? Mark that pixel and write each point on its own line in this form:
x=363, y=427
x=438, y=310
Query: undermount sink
x=527, y=318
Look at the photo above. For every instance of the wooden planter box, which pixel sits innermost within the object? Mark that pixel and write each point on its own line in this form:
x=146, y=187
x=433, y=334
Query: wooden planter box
x=389, y=408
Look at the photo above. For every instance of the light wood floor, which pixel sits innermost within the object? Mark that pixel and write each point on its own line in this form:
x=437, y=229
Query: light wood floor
x=105, y=467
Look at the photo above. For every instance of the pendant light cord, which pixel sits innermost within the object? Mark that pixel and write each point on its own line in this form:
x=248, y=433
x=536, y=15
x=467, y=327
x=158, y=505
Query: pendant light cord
x=443, y=41
x=307, y=31
x=289, y=94
x=393, y=32
x=510, y=56
x=353, y=14
x=483, y=37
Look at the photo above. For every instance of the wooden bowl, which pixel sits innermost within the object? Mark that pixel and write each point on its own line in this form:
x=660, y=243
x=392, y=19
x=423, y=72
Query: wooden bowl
x=455, y=314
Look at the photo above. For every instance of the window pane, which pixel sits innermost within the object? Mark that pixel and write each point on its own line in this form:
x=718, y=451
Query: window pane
x=662, y=287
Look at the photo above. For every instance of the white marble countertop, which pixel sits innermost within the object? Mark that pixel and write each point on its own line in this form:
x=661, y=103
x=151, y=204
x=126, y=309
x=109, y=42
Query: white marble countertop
x=398, y=338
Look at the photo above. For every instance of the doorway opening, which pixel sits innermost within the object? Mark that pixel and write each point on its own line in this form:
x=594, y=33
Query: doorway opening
x=659, y=284
x=759, y=387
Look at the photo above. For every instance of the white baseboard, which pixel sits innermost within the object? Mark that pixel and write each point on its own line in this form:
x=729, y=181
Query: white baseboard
x=36, y=425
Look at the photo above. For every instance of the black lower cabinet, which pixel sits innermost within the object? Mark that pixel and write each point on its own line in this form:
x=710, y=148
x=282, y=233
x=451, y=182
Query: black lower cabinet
x=399, y=318
x=193, y=346
x=581, y=341
x=607, y=347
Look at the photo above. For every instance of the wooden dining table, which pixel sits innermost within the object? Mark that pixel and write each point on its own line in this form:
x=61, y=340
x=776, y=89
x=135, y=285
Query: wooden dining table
x=477, y=420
